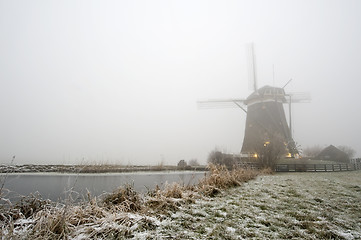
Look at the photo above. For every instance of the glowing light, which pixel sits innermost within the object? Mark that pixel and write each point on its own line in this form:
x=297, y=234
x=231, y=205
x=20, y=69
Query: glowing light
x=255, y=155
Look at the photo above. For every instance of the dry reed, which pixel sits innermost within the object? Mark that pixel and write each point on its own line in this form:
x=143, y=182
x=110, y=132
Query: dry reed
x=221, y=178
x=109, y=217
x=125, y=198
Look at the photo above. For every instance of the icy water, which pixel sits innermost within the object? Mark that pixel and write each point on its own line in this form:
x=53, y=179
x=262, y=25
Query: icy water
x=58, y=187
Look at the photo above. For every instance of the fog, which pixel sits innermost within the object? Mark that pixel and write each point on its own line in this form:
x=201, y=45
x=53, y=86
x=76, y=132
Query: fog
x=117, y=81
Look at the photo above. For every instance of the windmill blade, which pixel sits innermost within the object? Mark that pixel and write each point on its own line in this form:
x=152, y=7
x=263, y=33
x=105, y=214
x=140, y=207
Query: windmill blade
x=251, y=59
x=287, y=83
x=221, y=103
x=299, y=97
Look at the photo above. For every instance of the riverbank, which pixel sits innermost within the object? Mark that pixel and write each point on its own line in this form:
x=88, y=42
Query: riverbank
x=116, y=215
x=224, y=206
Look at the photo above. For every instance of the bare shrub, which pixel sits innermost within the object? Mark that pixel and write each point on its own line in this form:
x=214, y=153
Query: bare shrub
x=270, y=151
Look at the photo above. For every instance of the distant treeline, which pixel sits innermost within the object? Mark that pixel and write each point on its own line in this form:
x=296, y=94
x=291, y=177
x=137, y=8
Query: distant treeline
x=29, y=168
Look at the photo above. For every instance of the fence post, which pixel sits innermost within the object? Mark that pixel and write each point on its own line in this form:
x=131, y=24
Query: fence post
x=347, y=166
x=333, y=168
x=325, y=168
x=340, y=167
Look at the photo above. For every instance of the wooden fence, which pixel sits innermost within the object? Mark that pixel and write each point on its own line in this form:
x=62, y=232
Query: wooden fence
x=337, y=167
x=299, y=167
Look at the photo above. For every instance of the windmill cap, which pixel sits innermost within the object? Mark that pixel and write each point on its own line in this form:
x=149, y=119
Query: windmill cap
x=267, y=93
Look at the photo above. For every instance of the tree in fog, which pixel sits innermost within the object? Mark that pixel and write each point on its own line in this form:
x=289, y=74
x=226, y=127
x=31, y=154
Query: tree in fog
x=193, y=162
x=215, y=157
x=348, y=150
x=219, y=158
x=312, y=151
x=182, y=164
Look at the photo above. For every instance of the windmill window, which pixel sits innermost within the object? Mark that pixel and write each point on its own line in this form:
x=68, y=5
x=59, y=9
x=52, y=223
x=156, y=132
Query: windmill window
x=267, y=92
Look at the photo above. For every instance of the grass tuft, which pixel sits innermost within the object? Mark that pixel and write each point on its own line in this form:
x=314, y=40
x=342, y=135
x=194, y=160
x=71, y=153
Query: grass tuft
x=125, y=198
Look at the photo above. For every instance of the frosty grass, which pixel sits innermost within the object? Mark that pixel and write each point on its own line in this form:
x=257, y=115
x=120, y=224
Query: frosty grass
x=280, y=206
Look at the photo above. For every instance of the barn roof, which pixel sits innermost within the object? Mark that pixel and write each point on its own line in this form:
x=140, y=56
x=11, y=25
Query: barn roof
x=333, y=153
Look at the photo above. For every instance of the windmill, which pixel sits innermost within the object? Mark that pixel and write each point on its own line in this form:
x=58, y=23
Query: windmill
x=266, y=118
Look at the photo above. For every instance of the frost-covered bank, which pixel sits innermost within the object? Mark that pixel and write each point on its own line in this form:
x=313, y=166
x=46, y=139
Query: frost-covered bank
x=281, y=206
x=123, y=213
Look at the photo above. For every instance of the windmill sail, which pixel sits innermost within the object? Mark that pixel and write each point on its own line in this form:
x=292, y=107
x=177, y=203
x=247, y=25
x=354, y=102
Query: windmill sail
x=220, y=103
x=266, y=120
x=252, y=73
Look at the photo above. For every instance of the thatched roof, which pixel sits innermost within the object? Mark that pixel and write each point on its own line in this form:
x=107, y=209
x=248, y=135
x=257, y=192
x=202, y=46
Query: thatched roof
x=332, y=153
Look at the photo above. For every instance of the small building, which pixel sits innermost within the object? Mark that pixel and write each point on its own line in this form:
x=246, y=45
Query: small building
x=332, y=153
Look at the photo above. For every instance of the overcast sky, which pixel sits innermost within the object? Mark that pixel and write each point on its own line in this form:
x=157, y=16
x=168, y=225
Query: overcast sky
x=118, y=81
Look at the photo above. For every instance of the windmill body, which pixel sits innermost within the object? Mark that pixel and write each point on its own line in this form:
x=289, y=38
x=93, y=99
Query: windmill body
x=265, y=118
x=266, y=121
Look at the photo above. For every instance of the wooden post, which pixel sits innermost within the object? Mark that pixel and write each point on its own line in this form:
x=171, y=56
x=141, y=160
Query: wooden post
x=325, y=167
x=340, y=167
x=333, y=167
x=314, y=167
